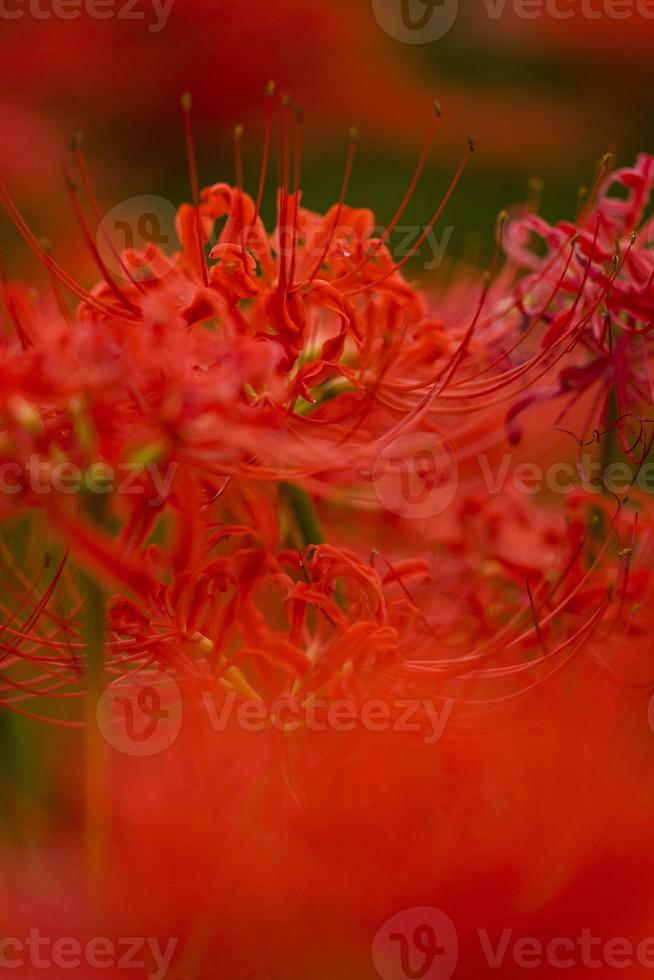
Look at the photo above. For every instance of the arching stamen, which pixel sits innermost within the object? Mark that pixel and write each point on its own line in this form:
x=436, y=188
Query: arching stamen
x=238, y=166
x=297, y=187
x=465, y=343
x=349, y=163
x=238, y=154
x=605, y=163
x=269, y=96
x=187, y=102
x=284, y=182
x=534, y=612
x=487, y=280
x=73, y=193
x=422, y=161
x=46, y=245
x=500, y=228
x=416, y=247
x=42, y=719
x=95, y=208
x=21, y=333
x=536, y=319
x=7, y=202
x=395, y=575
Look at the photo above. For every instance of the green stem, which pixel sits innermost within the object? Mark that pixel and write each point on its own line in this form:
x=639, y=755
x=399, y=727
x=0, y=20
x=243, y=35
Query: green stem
x=97, y=797
x=304, y=512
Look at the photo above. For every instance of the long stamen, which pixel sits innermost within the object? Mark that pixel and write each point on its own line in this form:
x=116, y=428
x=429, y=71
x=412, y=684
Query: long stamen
x=605, y=163
x=187, y=102
x=349, y=164
x=463, y=349
x=422, y=161
x=46, y=245
x=88, y=238
x=282, y=208
x=269, y=94
x=95, y=208
x=534, y=321
x=6, y=201
x=297, y=185
x=487, y=280
x=11, y=308
x=238, y=166
x=416, y=247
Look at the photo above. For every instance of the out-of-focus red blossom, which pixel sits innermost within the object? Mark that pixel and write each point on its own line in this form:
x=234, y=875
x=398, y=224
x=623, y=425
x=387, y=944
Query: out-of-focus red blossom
x=270, y=856
x=59, y=61
x=268, y=373
x=31, y=146
x=601, y=274
x=71, y=57
x=258, y=851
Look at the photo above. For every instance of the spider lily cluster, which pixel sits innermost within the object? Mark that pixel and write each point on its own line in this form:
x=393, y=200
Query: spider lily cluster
x=259, y=386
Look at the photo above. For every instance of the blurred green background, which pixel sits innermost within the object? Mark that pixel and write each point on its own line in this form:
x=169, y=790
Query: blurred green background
x=543, y=97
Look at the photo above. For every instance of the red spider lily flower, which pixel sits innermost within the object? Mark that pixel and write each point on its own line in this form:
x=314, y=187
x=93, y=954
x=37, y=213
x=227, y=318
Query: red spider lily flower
x=273, y=326
x=408, y=674
x=593, y=286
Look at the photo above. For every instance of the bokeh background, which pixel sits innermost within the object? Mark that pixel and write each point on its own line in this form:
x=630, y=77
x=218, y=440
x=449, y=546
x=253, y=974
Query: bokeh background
x=543, y=97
